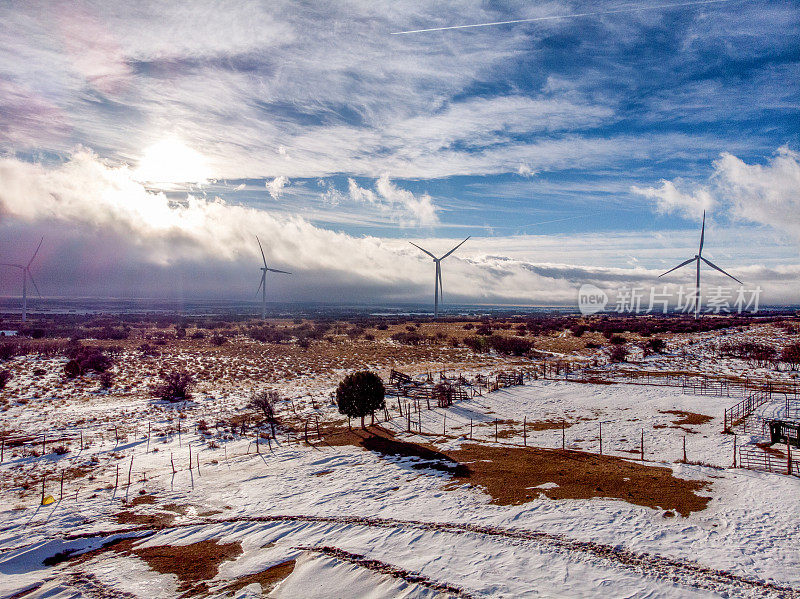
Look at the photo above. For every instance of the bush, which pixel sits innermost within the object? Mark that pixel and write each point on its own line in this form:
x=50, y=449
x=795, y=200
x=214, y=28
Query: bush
x=265, y=401
x=8, y=350
x=5, y=376
x=619, y=353
x=791, y=355
x=477, y=344
x=106, y=380
x=515, y=346
x=72, y=369
x=176, y=386
x=359, y=394
x=408, y=338
x=198, y=334
x=616, y=340
x=218, y=340
x=655, y=345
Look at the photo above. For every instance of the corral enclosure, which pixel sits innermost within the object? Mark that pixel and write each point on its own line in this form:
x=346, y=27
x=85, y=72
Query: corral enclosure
x=516, y=439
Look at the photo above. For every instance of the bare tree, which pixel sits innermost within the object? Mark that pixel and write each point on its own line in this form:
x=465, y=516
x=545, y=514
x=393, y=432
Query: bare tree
x=265, y=401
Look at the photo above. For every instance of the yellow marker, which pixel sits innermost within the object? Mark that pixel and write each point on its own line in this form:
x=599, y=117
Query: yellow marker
x=48, y=500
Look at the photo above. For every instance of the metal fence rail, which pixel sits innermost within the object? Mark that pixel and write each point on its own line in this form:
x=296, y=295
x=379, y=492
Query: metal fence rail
x=739, y=412
x=757, y=459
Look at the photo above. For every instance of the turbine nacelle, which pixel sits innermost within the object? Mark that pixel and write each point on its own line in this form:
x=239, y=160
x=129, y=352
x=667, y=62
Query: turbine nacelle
x=698, y=257
x=437, y=282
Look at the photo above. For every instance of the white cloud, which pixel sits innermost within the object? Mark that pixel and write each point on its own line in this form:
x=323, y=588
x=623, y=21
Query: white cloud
x=767, y=194
x=525, y=171
x=275, y=187
x=670, y=199
x=403, y=206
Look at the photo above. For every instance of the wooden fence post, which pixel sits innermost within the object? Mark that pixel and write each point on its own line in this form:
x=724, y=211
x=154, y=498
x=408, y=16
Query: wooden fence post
x=470, y=429
x=2, y=450
x=44, y=442
x=43, y=478
x=495, y=430
x=130, y=469
x=444, y=425
x=734, y=450
x=61, y=493
x=190, y=455
x=684, y=449
x=116, y=479
x=197, y=459
x=525, y=431
x=601, y=437
x=172, y=462
x=642, y=446
x=563, y=434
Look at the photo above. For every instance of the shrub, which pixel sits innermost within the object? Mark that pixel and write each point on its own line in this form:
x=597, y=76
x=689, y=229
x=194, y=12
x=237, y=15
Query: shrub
x=198, y=334
x=619, y=353
x=382, y=326
x=791, y=355
x=616, y=340
x=265, y=401
x=218, y=340
x=469, y=326
x=655, y=345
x=483, y=330
x=408, y=338
x=578, y=329
x=72, y=369
x=5, y=376
x=106, y=379
x=477, y=344
x=516, y=346
x=175, y=386
x=359, y=394
x=8, y=350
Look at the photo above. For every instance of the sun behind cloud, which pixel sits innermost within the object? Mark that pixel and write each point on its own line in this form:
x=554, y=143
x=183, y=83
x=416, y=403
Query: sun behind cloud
x=170, y=161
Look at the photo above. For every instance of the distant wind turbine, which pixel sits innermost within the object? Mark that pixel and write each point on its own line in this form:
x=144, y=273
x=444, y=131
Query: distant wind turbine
x=262, y=287
x=26, y=274
x=697, y=259
x=437, y=283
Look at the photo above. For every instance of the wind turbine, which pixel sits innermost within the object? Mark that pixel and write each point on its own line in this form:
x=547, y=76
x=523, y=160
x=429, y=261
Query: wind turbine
x=698, y=258
x=26, y=274
x=262, y=287
x=437, y=282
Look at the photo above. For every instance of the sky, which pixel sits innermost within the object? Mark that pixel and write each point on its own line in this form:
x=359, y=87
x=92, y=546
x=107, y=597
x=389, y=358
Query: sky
x=150, y=142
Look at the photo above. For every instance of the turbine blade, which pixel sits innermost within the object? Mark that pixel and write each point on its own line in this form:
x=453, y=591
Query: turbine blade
x=715, y=267
x=37, y=250
x=261, y=284
x=441, y=288
x=280, y=271
x=262, y=251
x=14, y=265
x=702, y=233
x=423, y=249
x=454, y=249
x=35, y=286
x=677, y=267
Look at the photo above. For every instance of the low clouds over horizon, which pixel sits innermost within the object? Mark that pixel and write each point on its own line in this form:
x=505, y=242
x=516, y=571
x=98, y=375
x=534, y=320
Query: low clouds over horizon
x=149, y=144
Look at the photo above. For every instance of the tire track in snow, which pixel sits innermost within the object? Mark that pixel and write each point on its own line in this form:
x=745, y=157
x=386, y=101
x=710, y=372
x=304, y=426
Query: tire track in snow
x=666, y=569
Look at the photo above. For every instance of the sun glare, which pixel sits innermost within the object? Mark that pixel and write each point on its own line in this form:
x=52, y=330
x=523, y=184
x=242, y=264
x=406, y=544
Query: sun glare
x=170, y=161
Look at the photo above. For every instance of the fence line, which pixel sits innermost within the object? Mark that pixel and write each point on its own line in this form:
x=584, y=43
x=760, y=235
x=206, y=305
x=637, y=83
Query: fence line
x=758, y=459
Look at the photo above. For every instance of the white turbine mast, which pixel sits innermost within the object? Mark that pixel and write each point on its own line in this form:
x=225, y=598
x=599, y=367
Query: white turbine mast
x=698, y=258
x=26, y=274
x=437, y=282
x=262, y=287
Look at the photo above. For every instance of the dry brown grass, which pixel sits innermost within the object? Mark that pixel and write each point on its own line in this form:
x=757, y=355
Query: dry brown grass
x=268, y=579
x=510, y=474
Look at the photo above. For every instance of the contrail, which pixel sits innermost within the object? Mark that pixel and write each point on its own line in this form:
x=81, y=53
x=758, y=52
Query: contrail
x=554, y=17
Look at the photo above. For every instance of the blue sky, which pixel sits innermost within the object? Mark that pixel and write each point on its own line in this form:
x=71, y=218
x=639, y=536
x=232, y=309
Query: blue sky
x=591, y=144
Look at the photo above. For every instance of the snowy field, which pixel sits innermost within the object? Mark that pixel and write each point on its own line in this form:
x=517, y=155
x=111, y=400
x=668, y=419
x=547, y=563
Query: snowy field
x=290, y=518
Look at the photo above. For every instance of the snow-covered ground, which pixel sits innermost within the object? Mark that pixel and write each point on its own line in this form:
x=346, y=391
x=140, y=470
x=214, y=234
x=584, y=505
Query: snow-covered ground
x=750, y=528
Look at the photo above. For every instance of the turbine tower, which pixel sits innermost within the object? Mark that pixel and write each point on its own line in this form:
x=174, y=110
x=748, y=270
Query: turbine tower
x=698, y=258
x=26, y=274
x=437, y=282
x=262, y=287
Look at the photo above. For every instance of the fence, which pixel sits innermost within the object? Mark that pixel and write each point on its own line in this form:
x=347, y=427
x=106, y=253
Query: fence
x=757, y=459
x=738, y=413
